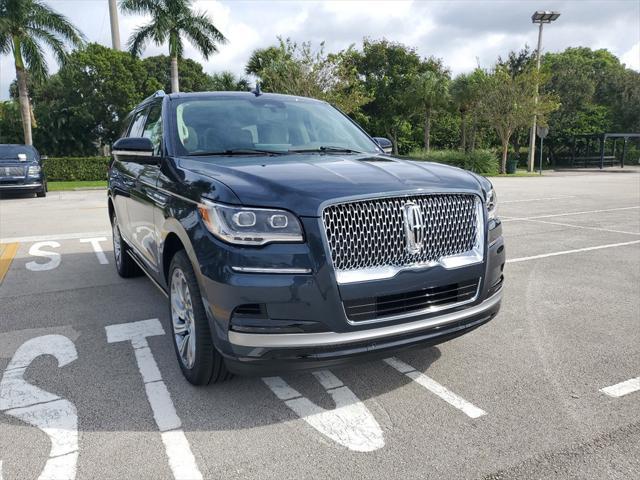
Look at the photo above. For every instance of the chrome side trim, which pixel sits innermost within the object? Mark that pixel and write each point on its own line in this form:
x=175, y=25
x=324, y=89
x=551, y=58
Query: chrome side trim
x=133, y=153
x=324, y=339
x=417, y=313
x=291, y=271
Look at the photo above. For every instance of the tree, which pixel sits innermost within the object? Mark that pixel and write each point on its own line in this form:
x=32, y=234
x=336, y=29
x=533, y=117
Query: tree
x=518, y=63
x=508, y=103
x=171, y=20
x=192, y=76
x=429, y=90
x=83, y=106
x=466, y=91
x=228, y=82
x=387, y=69
x=598, y=94
x=299, y=69
x=10, y=130
x=25, y=27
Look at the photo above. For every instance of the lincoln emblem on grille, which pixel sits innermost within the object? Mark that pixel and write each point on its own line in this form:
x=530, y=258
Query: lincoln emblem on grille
x=414, y=227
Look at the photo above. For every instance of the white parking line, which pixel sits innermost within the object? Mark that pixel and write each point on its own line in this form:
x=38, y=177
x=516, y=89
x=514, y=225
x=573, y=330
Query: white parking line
x=434, y=387
x=622, y=388
x=536, y=199
x=567, y=252
x=97, y=248
x=512, y=219
x=55, y=236
x=350, y=424
x=598, y=229
x=181, y=459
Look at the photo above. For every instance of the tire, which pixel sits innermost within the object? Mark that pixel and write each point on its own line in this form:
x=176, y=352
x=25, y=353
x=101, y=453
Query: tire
x=125, y=265
x=199, y=361
x=41, y=194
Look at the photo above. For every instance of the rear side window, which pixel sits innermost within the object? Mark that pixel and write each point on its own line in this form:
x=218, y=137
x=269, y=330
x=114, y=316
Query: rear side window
x=138, y=123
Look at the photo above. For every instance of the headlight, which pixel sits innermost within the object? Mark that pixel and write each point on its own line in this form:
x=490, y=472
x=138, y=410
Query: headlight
x=492, y=204
x=34, y=171
x=250, y=226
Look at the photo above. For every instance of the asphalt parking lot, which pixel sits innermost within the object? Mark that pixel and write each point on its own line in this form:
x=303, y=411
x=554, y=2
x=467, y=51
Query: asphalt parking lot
x=549, y=389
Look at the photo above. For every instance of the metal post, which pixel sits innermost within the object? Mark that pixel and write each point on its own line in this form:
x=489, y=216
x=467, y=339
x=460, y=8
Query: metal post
x=541, y=145
x=532, y=142
x=115, y=29
x=624, y=152
x=603, y=138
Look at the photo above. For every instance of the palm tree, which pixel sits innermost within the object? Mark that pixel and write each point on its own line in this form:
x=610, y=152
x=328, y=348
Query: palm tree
x=430, y=91
x=226, y=81
x=171, y=19
x=466, y=93
x=25, y=26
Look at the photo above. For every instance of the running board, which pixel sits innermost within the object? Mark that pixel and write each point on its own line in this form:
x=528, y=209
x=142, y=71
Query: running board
x=139, y=263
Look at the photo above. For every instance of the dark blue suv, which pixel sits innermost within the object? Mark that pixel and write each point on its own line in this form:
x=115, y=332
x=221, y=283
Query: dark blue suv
x=286, y=238
x=21, y=170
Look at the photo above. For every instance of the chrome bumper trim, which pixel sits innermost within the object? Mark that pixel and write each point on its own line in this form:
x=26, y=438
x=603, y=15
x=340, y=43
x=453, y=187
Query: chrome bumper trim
x=324, y=339
x=18, y=186
x=290, y=271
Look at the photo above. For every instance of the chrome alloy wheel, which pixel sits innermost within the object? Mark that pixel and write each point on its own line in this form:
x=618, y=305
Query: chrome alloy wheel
x=117, y=249
x=182, y=316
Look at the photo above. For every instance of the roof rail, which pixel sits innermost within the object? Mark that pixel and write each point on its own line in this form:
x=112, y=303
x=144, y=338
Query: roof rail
x=158, y=94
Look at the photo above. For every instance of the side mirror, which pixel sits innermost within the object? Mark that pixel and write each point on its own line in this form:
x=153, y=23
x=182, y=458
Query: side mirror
x=385, y=144
x=134, y=149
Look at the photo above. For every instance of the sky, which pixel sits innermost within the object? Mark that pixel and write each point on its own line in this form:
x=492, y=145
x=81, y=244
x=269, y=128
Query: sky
x=464, y=33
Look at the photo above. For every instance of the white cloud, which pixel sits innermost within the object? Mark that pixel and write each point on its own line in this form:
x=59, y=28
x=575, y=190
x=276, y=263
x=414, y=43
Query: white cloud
x=461, y=32
x=632, y=58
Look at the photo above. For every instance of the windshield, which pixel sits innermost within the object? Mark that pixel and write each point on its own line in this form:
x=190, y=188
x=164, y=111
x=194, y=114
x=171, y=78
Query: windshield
x=11, y=152
x=244, y=125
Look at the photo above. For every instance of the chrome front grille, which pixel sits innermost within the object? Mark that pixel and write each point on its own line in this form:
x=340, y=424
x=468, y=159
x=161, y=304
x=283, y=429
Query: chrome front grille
x=11, y=171
x=371, y=235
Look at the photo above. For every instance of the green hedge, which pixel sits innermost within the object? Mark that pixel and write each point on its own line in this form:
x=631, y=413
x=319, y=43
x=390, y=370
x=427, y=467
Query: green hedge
x=484, y=162
x=65, y=169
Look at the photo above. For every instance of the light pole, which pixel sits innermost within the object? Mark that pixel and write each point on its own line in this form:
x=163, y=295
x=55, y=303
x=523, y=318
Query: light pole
x=539, y=17
x=115, y=29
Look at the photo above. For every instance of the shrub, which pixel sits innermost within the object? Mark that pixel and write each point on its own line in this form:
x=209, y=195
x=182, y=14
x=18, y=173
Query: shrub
x=483, y=162
x=66, y=169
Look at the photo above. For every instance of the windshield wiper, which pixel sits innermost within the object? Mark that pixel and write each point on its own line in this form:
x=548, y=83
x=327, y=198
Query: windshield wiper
x=324, y=149
x=237, y=151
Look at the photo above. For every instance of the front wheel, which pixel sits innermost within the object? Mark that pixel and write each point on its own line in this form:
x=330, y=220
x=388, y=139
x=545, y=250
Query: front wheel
x=199, y=361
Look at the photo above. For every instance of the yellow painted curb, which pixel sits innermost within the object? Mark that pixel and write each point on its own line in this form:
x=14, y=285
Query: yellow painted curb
x=7, y=253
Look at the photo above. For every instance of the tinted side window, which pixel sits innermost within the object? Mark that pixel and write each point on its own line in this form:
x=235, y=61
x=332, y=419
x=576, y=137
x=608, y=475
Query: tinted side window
x=138, y=123
x=125, y=125
x=153, y=127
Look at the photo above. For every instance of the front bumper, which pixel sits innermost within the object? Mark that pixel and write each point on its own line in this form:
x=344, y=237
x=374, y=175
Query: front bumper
x=312, y=305
x=372, y=335
x=282, y=353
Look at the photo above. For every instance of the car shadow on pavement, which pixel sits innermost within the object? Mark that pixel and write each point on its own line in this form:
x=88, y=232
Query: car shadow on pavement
x=16, y=195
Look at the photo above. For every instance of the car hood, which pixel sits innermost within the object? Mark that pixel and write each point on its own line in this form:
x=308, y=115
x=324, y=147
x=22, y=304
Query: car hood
x=305, y=183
